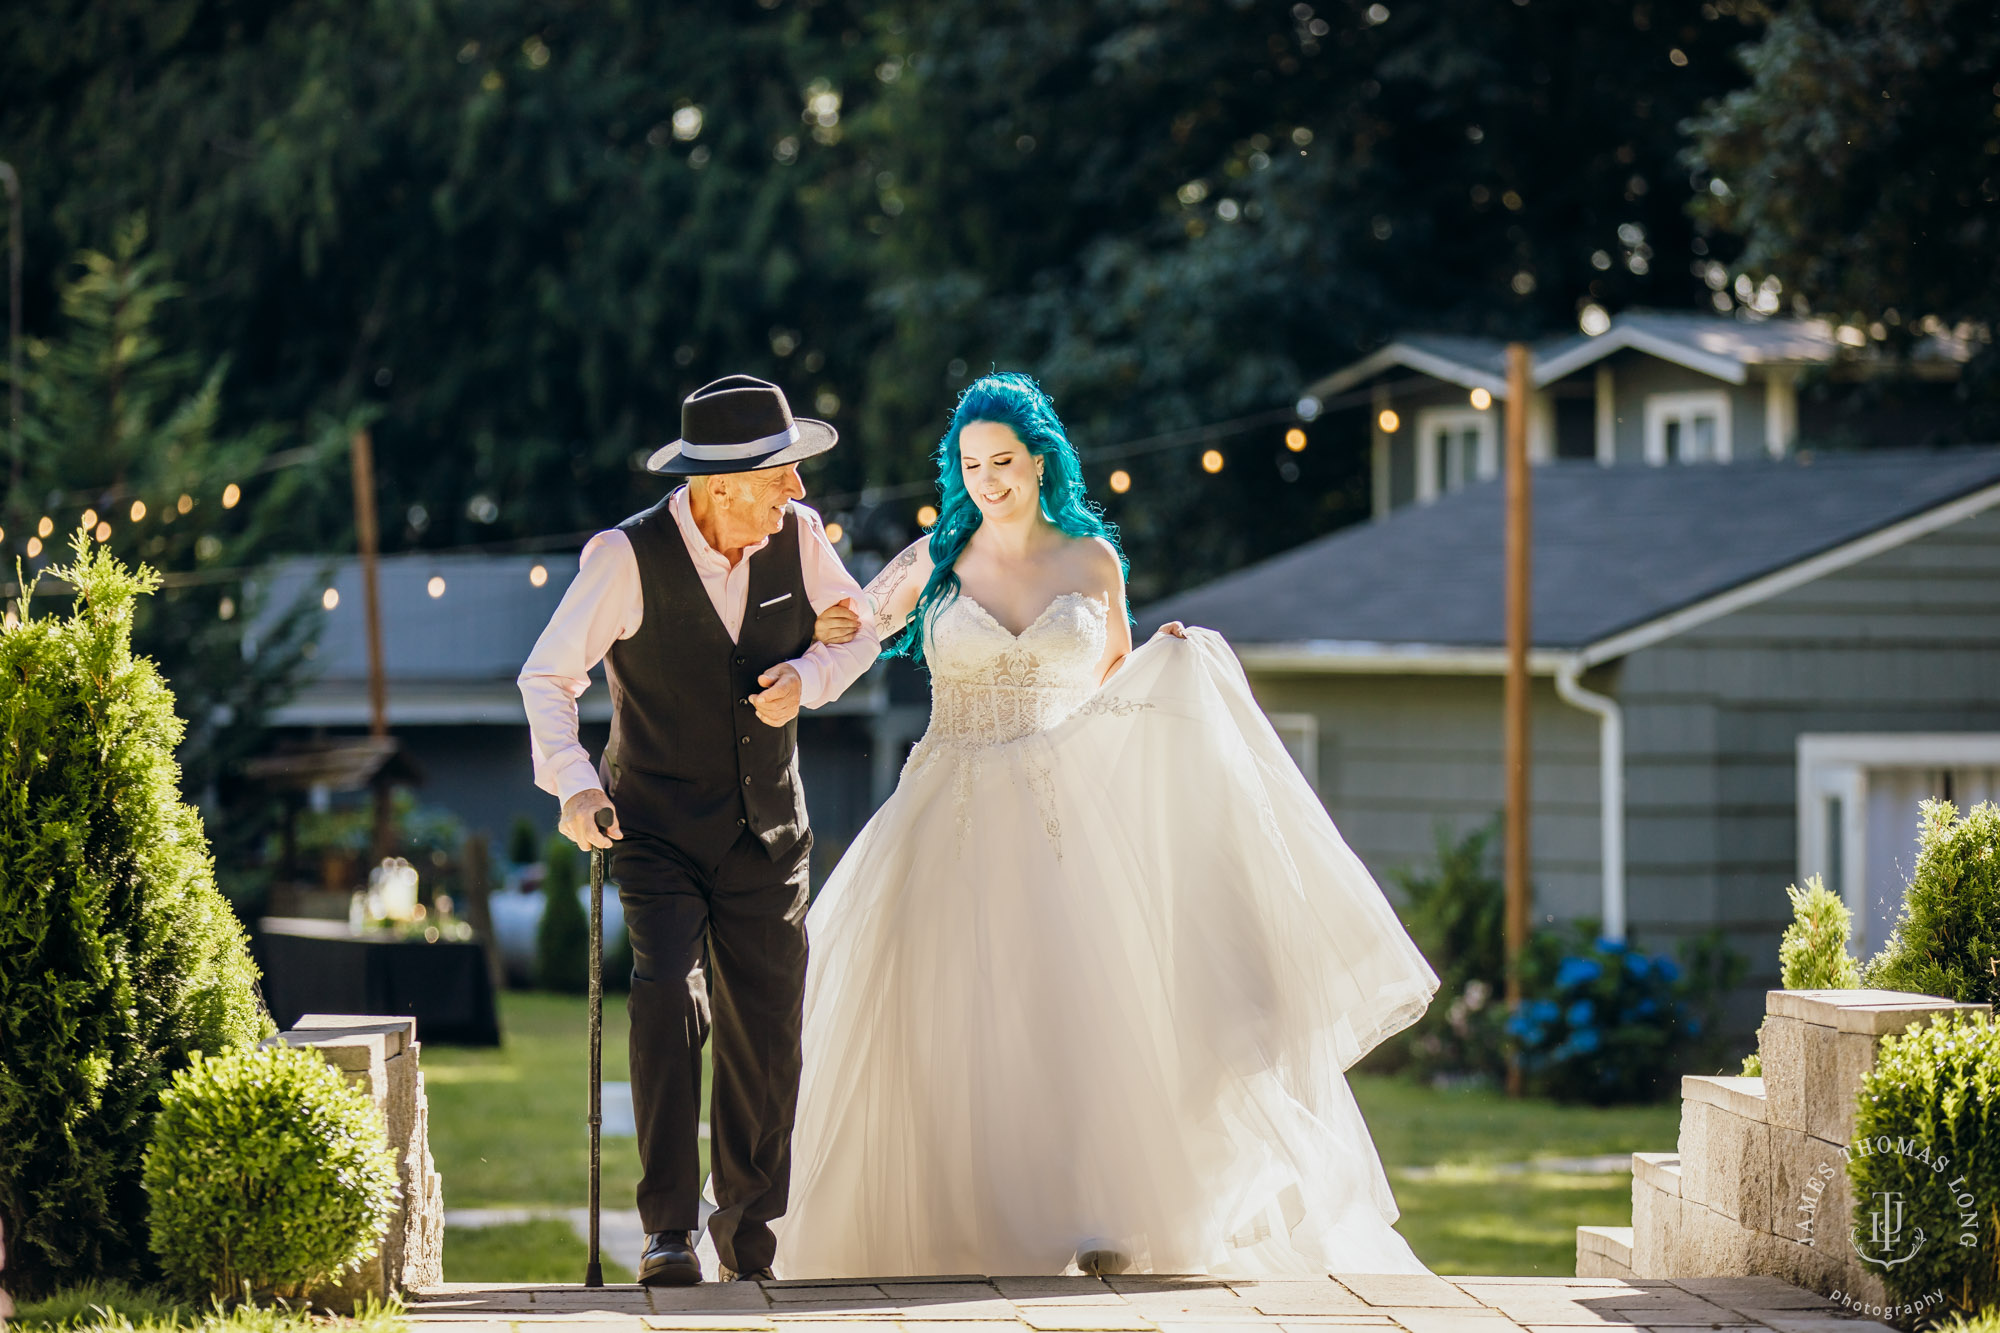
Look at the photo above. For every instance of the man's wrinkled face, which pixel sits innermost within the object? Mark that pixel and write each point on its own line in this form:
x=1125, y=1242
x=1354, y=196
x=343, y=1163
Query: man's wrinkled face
x=757, y=499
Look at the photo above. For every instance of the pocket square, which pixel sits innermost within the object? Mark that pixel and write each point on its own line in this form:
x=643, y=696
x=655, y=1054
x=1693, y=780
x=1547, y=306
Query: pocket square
x=781, y=597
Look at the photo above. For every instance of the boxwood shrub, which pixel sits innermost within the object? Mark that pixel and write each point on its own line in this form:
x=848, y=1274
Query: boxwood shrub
x=269, y=1175
x=118, y=958
x=1928, y=1114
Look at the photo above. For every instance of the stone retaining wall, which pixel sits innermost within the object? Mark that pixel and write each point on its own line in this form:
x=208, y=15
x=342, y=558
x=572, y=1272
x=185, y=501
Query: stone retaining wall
x=379, y=1055
x=1759, y=1186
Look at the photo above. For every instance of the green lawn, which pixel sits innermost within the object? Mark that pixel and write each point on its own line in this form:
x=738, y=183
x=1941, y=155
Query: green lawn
x=507, y=1129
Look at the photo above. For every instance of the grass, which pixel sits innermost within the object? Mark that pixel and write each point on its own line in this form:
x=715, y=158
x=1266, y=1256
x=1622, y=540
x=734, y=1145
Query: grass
x=507, y=1129
x=547, y=1250
x=1467, y=1216
x=114, y=1307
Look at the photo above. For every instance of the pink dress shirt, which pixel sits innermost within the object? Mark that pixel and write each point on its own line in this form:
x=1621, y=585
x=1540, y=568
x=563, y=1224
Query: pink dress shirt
x=604, y=604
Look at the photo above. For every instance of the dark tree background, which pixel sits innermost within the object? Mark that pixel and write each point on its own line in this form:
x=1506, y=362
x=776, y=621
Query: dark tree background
x=518, y=233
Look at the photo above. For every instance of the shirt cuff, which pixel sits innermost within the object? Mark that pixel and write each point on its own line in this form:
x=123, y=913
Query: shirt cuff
x=576, y=776
x=812, y=682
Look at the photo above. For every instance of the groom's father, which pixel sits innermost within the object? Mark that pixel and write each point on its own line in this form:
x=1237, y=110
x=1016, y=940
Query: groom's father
x=702, y=608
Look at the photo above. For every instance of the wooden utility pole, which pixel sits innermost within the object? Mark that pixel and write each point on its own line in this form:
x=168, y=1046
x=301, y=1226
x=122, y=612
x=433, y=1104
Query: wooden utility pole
x=1520, y=511
x=369, y=540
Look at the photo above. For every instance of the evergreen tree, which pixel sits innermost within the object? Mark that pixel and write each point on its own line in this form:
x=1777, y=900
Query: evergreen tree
x=123, y=430
x=118, y=958
x=562, y=939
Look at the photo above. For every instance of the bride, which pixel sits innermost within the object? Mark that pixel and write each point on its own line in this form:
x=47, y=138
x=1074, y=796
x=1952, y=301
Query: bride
x=1085, y=988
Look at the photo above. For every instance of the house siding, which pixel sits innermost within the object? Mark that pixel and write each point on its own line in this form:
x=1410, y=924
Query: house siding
x=1906, y=641
x=1401, y=755
x=1636, y=375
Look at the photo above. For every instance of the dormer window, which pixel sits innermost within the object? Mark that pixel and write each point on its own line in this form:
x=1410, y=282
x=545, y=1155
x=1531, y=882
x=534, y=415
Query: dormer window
x=1455, y=447
x=1687, y=428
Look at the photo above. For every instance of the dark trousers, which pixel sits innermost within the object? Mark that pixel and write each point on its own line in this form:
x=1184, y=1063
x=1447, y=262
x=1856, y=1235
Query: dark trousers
x=722, y=947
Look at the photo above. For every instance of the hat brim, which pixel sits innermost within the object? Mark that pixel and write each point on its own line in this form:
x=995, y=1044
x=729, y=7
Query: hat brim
x=815, y=437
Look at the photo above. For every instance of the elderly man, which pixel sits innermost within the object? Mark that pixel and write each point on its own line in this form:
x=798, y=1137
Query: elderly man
x=703, y=609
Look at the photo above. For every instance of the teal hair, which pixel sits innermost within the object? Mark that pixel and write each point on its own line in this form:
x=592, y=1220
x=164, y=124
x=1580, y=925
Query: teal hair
x=1017, y=402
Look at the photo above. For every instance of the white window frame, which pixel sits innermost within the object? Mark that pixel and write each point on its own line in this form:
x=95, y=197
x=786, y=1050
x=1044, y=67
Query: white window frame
x=1456, y=420
x=1834, y=766
x=1300, y=734
x=1684, y=407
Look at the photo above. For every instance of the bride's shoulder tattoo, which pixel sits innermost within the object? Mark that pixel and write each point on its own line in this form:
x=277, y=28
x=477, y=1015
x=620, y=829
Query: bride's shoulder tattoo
x=884, y=585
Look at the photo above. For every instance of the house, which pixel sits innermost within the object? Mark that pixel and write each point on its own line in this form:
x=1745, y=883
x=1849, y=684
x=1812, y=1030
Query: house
x=455, y=630
x=1742, y=675
x=1652, y=388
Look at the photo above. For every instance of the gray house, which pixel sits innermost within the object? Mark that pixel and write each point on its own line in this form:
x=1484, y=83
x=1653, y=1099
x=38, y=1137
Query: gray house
x=1652, y=388
x=1743, y=674
x=455, y=632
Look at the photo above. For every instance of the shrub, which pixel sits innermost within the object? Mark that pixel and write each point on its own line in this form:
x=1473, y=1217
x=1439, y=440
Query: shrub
x=1456, y=915
x=1947, y=940
x=268, y=1174
x=1812, y=955
x=521, y=841
x=118, y=958
x=1937, y=1086
x=1604, y=1023
x=562, y=940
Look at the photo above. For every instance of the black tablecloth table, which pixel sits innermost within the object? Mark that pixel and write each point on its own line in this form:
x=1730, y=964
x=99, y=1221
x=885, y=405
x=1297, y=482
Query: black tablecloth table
x=323, y=967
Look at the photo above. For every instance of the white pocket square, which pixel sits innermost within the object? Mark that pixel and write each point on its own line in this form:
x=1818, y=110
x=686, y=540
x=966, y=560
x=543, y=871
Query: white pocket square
x=781, y=597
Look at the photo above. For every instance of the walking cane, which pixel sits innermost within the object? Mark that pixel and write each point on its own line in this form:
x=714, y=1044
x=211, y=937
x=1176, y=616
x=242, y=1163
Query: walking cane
x=593, y=1273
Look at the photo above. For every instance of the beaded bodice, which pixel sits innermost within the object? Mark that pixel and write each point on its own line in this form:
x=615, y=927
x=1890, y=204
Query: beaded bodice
x=989, y=687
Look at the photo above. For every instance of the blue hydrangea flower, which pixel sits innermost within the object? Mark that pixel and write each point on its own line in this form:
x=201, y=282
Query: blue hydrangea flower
x=1577, y=971
x=1666, y=969
x=1581, y=1013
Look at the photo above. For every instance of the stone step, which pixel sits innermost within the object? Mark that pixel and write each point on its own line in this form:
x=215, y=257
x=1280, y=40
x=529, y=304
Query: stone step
x=1604, y=1251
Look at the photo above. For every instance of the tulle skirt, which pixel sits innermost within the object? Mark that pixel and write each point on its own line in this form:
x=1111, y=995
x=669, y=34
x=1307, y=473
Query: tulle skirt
x=1100, y=986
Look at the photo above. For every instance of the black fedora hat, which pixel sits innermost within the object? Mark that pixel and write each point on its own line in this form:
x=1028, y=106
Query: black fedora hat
x=739, y=424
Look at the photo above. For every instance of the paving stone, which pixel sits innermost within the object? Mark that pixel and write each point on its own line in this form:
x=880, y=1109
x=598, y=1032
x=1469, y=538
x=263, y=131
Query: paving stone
x=1404, y=1289
x=1537, y=1305
x=585, y=1300
x=710, y=1298
x=718, y=1322
x=1432, y=1319
x=1301, y=1298
x=1826, y=1324
x=983, y=1326
x=1759, y=1291
x=952, y=1302
x=784, y=1293
x=1025, y=1289
x=1065, y=1318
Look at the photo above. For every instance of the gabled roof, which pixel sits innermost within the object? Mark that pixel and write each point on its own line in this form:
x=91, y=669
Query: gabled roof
x=1715, y=345
x=1622, y=556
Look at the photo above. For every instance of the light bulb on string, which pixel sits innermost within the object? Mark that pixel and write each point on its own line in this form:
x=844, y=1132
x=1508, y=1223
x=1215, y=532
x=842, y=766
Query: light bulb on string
x=1121, y=482
x=1481, y=399
x=1295, y=439
x=1389, y=421
x=1211, y=461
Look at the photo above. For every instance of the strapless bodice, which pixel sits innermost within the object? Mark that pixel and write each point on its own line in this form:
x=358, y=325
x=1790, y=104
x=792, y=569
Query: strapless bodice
x=989, y=687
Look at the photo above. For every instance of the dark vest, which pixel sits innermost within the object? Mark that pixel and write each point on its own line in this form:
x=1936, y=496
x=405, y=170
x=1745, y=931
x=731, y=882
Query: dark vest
x=688, y=760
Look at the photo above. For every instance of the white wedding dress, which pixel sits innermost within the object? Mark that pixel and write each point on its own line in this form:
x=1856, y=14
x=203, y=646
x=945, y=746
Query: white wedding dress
x=1094, y=973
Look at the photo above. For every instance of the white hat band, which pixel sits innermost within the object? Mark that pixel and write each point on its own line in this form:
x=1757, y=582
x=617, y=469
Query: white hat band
x=721, y=453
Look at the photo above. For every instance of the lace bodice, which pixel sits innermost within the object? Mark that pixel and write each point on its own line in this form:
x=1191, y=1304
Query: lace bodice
x=989, y=687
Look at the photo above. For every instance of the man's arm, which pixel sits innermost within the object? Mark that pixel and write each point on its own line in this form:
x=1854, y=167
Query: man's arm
x=602, y=605
x=825, y=670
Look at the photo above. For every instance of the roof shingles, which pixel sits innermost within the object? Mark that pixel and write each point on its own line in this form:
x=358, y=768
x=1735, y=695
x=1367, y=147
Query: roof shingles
x=1613, y=548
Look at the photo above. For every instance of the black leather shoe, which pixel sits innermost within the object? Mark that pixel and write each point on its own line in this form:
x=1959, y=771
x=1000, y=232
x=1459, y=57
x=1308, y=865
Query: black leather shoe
x=754, y=1275
x=669, y=1260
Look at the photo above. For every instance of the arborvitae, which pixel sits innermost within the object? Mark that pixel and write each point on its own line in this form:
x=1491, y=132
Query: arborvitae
x=1947, y=941
x=118, y=958
x=1813, y=953
x=561, y=943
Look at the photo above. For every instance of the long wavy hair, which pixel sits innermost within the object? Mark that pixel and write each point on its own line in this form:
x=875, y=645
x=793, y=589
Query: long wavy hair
x=1017, y=402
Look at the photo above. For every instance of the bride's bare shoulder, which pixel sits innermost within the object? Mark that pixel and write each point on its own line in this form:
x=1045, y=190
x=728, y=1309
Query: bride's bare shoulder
x=1096, y=564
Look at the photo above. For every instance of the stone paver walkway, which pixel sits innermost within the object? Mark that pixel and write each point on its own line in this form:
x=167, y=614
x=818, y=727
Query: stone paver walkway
x=1409, y=1304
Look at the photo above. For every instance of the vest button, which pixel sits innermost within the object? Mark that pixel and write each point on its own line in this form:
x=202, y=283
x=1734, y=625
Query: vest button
x=746, y=740
x=741, y=822
x=739, y=661
x=746, y=782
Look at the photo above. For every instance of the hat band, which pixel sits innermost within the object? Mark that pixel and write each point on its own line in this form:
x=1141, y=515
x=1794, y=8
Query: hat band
x=729, y=453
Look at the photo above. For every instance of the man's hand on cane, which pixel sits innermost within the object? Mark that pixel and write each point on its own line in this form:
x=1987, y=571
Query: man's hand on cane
x=578, y=822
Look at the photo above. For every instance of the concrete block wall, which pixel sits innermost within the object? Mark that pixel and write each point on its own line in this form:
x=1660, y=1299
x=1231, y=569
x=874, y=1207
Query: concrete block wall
x=380, y=1055
x=1758, y=1185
